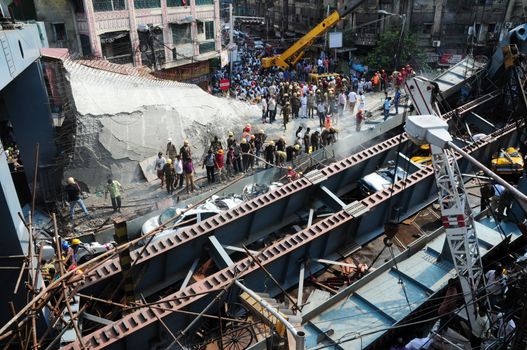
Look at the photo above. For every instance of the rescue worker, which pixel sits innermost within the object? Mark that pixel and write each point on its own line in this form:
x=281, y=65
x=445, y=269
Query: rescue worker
x=290, y=153
x=307, y=140
x=280, y=158
x=286, y=112
x=295, y=105
x=321, y=109
x=215, y=144
x=158, y=166
x=230, y=139
x=315, y=141
x=245, y=148
x=311, y=104
x=185, y=151
x=269, y=154
x=73, y=192
x=229, y=164
x=115, y=189
x=387, y=105
x=171, y=150
x=280, y=144
x=170, y=175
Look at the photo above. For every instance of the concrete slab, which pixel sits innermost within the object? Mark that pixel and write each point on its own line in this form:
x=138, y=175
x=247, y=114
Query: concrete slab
x=147, y=167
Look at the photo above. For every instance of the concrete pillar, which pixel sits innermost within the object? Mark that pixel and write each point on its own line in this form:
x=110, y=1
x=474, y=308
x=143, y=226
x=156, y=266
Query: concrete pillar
x=217, y=25
x=134, y=37
x=90, y=20
x=438, y=17
x=27, y=106
x=167, y=35
x=510, y=8
x=194, y=28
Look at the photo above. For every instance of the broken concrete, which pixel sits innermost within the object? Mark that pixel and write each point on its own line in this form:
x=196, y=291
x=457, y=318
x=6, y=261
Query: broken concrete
x=124, y=119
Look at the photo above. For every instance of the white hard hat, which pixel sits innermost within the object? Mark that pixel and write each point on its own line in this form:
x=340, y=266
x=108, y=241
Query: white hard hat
x=169, y=139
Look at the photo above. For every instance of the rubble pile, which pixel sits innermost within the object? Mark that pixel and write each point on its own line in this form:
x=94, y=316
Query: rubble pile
x=124, y=119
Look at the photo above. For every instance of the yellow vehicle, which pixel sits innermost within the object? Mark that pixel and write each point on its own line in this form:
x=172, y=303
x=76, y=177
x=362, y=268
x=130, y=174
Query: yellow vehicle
x=295, y=53
x=509, y=161
x=423, y=156
x=314, y=77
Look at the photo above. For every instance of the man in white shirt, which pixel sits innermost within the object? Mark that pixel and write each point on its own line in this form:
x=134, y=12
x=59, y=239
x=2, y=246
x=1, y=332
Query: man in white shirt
x=418, y=344
x=479, y=329
x=352, y=99
x=178, y=164
x=362, y=100
x=495, y=284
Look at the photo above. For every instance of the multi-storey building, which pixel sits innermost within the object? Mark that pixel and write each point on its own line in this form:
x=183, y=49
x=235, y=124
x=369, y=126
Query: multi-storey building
x=189, y=34
x=442, y=27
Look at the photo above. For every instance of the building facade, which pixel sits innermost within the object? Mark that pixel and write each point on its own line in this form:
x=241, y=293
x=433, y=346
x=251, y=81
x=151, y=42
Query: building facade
x=443, y=27
x=187, y=31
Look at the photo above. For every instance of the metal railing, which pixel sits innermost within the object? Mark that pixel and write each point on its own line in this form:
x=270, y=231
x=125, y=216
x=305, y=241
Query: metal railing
x=204, y=2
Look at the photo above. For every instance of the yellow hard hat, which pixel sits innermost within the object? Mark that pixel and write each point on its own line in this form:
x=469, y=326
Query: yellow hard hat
x=185, y=142
x=271, y=143
x=297, y=147
x=169, y=161
x=71, y=180
x=244, y=141
x=75, y=241
x=231, y=133
x=261, y=131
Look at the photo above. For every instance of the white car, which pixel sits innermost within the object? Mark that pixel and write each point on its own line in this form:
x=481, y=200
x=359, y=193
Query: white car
x=187, y=217
x=381, y=179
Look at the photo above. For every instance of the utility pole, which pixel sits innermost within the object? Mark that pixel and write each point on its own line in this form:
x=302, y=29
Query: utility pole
x=231, y=41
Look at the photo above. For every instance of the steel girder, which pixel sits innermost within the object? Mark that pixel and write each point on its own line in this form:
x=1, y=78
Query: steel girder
x=139, y=329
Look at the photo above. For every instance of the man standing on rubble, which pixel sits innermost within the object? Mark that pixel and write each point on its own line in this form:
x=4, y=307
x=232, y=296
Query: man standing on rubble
x=159, y=164
x=171, y=150
x=74, y=197
x=209, y=162
x=115, y=189
x=170, y=175
x=185, y=151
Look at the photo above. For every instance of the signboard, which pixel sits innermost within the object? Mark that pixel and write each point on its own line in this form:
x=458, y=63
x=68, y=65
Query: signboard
x=335, y=40
x=449, y=59
x=225, y=84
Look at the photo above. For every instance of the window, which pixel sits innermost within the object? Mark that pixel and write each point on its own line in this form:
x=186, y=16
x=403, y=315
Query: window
x=147, y=4
x=174, y=3
x=109, y=5
x=181, y=33
x=85, y=44
x=200, y=27
x=59, y=32
x=209, y=30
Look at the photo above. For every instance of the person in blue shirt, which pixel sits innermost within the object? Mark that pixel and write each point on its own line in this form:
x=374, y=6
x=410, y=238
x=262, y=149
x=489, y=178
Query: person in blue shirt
x=396, y=101
x=387, y=106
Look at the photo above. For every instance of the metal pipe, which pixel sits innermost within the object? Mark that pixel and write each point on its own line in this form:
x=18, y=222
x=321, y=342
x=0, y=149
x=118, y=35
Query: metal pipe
x=522, y=198
x=299, y=335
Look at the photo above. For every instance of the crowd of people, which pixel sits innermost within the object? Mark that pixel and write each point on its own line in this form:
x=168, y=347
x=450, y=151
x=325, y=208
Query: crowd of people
x=239, y=153
x=298, y=93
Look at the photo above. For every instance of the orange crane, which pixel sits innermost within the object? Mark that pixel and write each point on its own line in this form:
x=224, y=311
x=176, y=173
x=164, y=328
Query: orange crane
x=294, y=53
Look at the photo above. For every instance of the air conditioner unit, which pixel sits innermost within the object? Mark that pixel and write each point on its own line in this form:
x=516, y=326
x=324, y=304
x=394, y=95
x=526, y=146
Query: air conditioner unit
x=436, y=43
x=508, y=25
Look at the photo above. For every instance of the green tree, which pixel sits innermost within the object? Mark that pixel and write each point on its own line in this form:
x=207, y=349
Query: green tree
x=385, y=55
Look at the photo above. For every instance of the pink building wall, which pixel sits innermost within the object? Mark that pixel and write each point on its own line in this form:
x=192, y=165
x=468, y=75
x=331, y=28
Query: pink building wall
x=93, y=24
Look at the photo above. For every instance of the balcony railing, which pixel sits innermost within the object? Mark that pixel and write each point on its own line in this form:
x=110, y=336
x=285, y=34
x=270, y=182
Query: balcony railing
x=204, y=2
x=147, y=4
x=109, y=5
x=207, y=47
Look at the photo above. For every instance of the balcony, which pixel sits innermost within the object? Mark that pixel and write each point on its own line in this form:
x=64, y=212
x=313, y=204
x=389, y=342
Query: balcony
x=207, y=47
x=204, y=2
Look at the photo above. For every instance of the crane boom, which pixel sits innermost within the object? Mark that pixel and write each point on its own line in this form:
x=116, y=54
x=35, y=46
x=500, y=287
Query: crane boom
x=296, y=51
x=456, y=214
